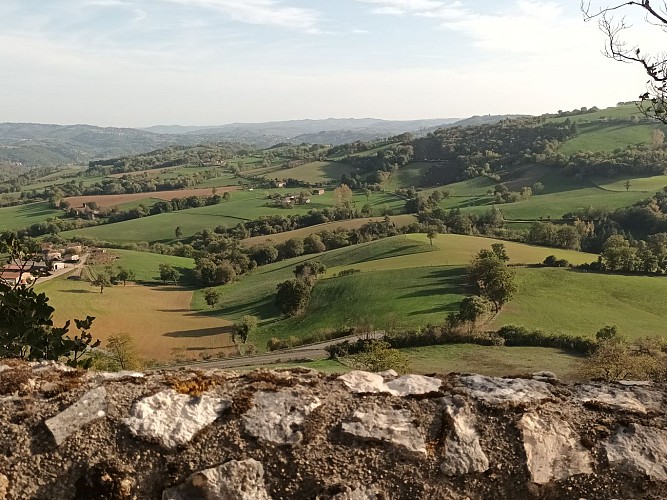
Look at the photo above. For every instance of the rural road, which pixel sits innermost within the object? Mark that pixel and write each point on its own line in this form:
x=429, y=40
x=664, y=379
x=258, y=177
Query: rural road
x=310, y=351
x=55, y=274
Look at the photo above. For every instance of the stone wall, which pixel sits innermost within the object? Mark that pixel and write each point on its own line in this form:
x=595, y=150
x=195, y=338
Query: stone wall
x=300, y=434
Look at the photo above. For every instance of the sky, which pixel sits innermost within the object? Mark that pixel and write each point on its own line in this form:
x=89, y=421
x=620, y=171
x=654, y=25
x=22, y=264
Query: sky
x=135, y=63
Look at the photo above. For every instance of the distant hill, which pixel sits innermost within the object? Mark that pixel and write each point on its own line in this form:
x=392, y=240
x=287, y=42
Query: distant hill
x=37, y=144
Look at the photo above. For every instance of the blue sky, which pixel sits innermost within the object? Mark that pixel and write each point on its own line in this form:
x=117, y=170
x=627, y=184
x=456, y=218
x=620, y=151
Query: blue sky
x=207, y=62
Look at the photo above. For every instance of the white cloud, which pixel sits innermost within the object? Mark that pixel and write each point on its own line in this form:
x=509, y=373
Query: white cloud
x=263, y=12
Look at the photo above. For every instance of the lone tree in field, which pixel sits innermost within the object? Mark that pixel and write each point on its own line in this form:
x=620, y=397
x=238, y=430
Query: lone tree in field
x=489, y=275
x=292, y=296
x=101, y=279
x=343, y=196
x=212, y=297
x=169, y=273
x=620, y=46
x=431, y=233
x=471, y=309
x=125, y=275
x=243, y=328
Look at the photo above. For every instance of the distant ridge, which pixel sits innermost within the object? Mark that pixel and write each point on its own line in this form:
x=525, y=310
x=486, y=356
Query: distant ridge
x=39, y=144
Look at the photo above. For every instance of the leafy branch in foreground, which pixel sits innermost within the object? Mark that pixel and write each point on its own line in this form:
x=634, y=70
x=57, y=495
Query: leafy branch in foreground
x=26, y=319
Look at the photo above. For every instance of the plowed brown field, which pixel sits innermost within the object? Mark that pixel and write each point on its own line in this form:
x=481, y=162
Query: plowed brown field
x=112, y=200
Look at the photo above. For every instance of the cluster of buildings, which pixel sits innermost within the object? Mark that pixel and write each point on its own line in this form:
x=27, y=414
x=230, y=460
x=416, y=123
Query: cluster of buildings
x=53, y=258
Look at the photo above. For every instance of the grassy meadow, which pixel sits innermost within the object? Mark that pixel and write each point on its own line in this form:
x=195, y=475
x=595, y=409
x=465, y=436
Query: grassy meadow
x=398, y=220
x=21, y=216
x=579, y=303
x=158, y=318
x=146, y=265
x=316, y=172
x=244, y=205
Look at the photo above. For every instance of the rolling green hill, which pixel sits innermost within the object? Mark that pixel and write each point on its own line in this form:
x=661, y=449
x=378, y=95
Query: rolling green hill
x=21, y=216
x=245, y=205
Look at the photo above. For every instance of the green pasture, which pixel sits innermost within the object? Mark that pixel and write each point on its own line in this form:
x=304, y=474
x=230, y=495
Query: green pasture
x=623, y=112
x=494, y=361
x=608, y=136
x=21, y=216
x=244, y=205
x=363, y=154
x=647, y=185
x=458, y=250
x=316, y=172
x=383, y=299
x=407, y=176
x=146, y=265
x=471, y=358
x=579, y=303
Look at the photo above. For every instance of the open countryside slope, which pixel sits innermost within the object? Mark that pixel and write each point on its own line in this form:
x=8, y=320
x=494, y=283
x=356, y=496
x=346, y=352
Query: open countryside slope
x=398, y=220
x=112, y=200
x=245, y=205
x=578, y=303
x=21, y=216
x=458, y=250
x=157, y=318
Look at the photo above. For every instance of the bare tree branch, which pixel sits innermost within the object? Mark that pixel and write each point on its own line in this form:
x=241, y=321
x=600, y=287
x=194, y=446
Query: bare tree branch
x=653, y=102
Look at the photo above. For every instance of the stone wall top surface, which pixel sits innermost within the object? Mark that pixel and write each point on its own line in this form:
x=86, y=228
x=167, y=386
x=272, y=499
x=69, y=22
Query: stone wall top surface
x=299, y=434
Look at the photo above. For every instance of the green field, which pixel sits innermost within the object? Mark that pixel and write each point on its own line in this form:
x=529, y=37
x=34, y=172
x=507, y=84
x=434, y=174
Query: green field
x=494, y=361
x=245, y=205
x=397, y=220
x=364, y=154
x=457, y=250
x=315, y=172
x=146, y=265
x=552, y=204
x=21, y=216
x=405, y=281
x=578, y=303
x=647, y=185
x=471, y=358
x=383, y=299
x=608, y=136
x=408, y=176
x=625, y=111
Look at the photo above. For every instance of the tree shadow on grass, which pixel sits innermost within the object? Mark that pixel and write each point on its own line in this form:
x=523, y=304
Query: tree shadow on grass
x=262, y=308
x=79, y=291
x=201, y=332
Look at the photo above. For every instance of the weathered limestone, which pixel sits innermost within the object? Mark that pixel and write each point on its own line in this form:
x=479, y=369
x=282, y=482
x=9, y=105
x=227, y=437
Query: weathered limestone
x=635, y=399
x=173, y=418
x=388, y=425
x=409, y=385
x=372, y=383
x=276, y=416
x=90, y=407
x=235, y=480
x=463, y=451
x=496, y=390
x=365, y=382
x=553, y=448
x=639, y=449
x=470, y=437
x=121, y=375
